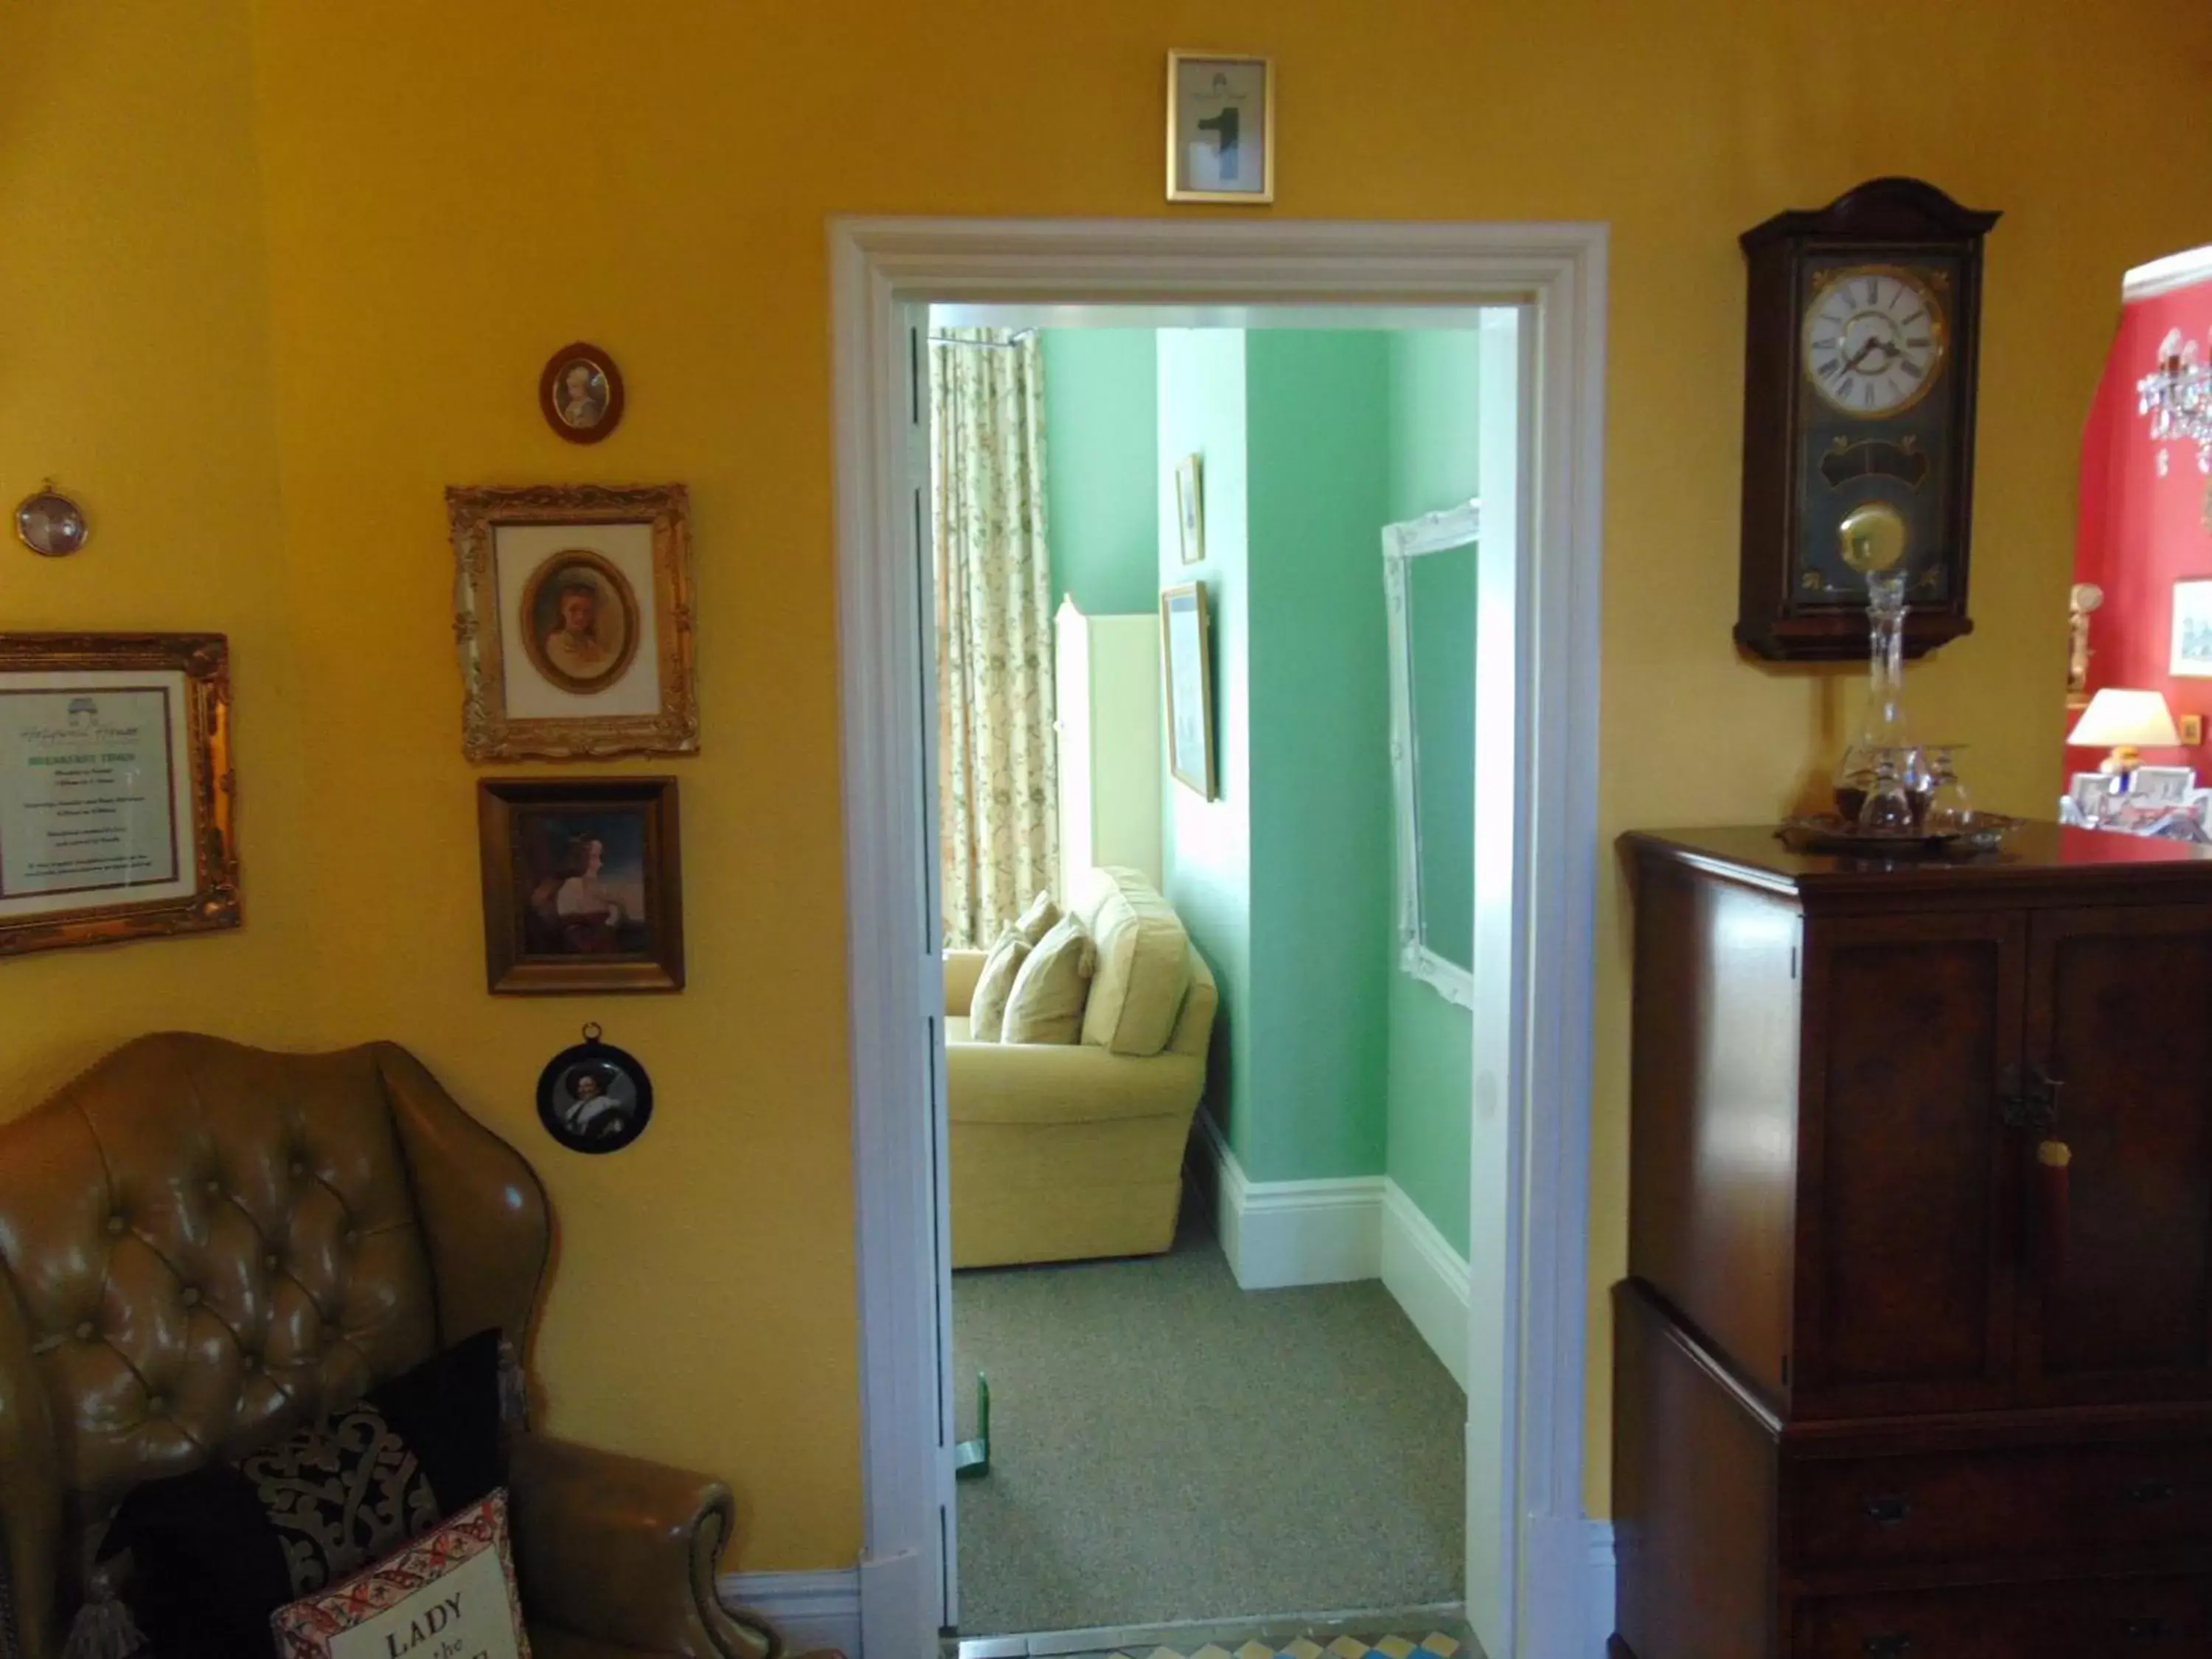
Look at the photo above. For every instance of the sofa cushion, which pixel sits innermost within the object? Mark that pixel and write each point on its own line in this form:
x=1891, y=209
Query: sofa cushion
x=1038, y=920
x=1144, y=962
x=987, y=1009
x=1051, y=988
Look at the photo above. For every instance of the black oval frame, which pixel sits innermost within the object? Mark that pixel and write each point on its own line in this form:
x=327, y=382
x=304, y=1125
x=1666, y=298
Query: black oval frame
x=603, y=1054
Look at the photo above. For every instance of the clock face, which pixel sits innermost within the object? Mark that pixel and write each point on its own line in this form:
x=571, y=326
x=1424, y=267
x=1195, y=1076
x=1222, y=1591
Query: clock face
x=1873, y=340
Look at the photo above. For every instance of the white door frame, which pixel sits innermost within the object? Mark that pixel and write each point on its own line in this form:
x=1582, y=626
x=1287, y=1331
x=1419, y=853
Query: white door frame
x=880, y=269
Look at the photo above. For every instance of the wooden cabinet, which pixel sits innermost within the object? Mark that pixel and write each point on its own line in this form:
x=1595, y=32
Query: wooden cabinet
x=1885, y=1374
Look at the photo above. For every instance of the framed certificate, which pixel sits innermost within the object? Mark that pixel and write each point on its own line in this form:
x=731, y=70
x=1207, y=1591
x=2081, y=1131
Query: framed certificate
x=115, y=788
x=1221, y=128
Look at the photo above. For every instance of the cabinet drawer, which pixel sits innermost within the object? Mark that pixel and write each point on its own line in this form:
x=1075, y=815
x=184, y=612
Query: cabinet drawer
x=1997, y=1504
x=2104, y=1618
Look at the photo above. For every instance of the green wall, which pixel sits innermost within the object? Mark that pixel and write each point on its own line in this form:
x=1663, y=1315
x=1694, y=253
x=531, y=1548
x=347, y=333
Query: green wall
x=1206, y=846
x=1329, y=1061
x=1434, y=431
x=1319, y=431
x=1101, y=409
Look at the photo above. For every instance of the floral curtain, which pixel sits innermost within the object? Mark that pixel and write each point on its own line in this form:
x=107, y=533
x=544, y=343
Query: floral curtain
x=997, y=763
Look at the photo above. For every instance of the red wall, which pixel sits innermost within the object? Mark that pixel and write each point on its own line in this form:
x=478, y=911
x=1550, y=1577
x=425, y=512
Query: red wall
x=2140, y=532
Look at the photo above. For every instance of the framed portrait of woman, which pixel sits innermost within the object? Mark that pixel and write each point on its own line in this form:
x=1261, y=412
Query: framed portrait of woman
x=583, y=885
x=572, y=611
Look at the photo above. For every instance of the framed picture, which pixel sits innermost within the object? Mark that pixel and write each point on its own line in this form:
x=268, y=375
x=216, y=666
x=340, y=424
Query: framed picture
x=583, y=885
x=1187, y=666
x=2192, y=630
x=1221, y=127
x=573, y=612
x=2091, y=795
x=1190, y=511
x=115, y=788
x=2167, y=785
x=594, y=1097
x=579, y=392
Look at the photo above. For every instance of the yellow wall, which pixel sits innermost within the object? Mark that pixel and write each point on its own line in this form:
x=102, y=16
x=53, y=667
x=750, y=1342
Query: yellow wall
x=453, y=190
x=134, y=369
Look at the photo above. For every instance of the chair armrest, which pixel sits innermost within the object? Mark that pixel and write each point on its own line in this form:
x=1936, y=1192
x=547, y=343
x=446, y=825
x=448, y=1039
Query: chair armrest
x=1066, y=1083
x=619, y=1550
x=961, y=969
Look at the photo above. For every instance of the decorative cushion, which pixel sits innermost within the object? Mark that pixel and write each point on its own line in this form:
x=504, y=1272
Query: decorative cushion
x=987, y=1008
x=1037, y=919
x=451, y=1592
x=1046, y=1005
x=214, y=1551
x=1144, y=962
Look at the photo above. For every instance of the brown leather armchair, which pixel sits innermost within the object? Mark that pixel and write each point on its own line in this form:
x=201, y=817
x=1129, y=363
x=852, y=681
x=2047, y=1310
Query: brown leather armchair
x=202, y=1243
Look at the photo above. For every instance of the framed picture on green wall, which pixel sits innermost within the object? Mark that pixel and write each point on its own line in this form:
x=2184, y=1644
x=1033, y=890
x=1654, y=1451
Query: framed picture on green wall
x=1187, y=667
x=1190, y=511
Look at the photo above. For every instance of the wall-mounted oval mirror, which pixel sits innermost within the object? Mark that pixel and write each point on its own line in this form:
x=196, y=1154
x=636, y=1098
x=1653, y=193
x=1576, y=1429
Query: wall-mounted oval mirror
x=1429, y=582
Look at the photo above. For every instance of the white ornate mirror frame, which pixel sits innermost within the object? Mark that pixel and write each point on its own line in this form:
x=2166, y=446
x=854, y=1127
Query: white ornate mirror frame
x=1438, y=533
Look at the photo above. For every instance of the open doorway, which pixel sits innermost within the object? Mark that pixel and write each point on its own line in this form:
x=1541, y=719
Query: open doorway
x=1203, y=742
x=1534, y=1585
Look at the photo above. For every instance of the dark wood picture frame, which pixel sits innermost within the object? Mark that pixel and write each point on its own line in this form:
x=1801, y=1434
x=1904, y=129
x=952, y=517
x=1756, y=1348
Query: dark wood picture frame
x=548, y=393
x=552, y=925
x=206, y=847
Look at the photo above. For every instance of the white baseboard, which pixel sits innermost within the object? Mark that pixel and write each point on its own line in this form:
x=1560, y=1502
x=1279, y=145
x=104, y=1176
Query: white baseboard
x=1429, y=1278
x=810, y=1609
x=1277, y=1233
x=1597, y=1586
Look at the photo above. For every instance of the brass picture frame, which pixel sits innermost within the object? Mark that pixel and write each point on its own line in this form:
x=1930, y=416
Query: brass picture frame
x=583, y=885
x=1187, y=687
x=545, y=577
x=1215, y=100
x=140, y=813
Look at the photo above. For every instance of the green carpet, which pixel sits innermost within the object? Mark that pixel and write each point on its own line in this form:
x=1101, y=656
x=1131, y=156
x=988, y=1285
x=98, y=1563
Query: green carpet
x=1168, y=1447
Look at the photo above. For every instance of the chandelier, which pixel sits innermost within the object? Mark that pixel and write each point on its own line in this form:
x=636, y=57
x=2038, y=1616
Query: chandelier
x=2177, y=398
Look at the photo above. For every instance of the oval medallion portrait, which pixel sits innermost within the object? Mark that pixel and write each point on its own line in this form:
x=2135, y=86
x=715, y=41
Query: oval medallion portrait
x=580, y=392
x=580, y=621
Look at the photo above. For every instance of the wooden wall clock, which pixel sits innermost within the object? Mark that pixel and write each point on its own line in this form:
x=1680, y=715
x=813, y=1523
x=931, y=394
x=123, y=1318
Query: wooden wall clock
x=1858, y=418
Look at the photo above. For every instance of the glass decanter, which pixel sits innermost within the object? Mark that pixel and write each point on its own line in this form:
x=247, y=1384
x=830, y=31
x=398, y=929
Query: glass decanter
x=1950, y=809
x=1883, y=774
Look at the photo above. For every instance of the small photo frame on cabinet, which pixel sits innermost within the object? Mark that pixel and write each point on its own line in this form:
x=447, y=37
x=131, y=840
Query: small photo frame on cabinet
x=2192, y=629
x=1187, y=666
x=1221, y=128
x=583, y=885
x=1190, y=510
x=2169, y=786
x=572, y=611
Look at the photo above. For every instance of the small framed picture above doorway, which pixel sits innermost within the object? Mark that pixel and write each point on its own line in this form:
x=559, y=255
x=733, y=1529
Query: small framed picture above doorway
x=1221, y=128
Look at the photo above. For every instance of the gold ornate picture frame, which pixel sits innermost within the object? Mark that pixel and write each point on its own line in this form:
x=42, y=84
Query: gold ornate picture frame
x=116, y=789
x=572, y=617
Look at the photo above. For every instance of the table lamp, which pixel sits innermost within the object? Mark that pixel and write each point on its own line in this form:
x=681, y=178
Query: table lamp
x=2125, y=722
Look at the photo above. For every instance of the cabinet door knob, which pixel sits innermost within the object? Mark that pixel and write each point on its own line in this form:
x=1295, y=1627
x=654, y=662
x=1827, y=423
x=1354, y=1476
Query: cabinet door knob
x=1888, y=1509
x=1886, y=1644
x=2143, y=1629
x=2150, y=1492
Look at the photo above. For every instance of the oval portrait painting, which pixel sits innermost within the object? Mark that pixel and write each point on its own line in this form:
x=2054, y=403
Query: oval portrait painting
x=579, y=622
x=580, y=393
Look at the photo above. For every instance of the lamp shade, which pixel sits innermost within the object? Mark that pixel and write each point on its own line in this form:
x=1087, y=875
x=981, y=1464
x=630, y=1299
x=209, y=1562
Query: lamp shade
x=2115, y=718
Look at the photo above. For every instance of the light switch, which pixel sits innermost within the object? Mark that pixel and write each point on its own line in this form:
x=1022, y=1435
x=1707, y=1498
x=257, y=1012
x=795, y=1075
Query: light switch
x=2192, y=730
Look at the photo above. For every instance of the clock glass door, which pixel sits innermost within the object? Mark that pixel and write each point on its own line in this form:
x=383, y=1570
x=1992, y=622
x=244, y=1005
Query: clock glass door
x=1876, y=420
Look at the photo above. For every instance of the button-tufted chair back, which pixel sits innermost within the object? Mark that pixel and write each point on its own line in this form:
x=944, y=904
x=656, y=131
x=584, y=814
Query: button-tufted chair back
x=202, y=1243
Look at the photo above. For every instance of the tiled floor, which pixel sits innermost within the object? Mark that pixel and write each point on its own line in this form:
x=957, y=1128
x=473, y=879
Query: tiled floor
x=1435, y=1645
x=1346, y=1636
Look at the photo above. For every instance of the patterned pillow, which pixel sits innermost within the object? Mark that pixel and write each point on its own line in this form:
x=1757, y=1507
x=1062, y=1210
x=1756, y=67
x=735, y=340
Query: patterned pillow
x=214, y=1551
x=452, y=1591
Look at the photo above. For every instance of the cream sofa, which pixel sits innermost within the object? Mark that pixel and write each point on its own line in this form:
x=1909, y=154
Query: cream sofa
x=1062, y=1152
